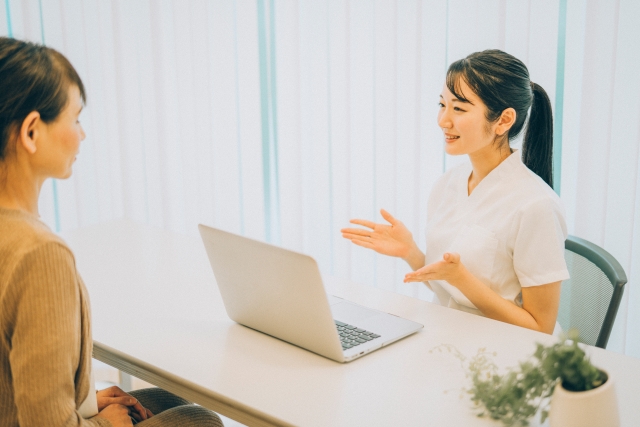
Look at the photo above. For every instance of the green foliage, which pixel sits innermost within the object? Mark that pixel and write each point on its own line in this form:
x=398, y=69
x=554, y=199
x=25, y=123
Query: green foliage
x=518, y=394
x=569, y=363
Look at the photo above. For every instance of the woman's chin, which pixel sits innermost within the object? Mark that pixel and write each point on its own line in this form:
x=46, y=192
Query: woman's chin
x=452, y=149
x=65, y=174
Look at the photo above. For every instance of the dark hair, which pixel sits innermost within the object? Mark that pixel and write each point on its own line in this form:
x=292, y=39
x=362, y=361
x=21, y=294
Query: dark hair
x=33, y=77
x=501, y=81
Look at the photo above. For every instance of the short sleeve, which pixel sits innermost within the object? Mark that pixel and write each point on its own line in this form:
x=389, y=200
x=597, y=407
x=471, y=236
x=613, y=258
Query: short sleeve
x=538, y=251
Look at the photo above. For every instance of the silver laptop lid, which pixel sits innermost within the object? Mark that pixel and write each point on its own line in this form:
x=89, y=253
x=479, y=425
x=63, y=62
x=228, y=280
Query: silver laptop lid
x=273, y=290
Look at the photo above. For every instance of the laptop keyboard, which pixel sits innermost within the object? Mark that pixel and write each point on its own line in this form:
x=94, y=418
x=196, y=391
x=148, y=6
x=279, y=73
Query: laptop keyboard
x=350, y=336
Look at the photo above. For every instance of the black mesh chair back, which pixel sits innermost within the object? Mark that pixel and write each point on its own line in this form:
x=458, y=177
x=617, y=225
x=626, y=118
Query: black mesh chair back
x=590, y=298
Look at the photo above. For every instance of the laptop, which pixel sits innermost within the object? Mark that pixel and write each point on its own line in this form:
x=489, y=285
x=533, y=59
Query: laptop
x=280, y=293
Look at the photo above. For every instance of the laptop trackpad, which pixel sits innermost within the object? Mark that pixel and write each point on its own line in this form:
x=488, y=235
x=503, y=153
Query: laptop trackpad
x=351, y=313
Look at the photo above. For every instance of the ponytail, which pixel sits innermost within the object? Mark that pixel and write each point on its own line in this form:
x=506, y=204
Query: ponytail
x=537, y=147
x=502, y=81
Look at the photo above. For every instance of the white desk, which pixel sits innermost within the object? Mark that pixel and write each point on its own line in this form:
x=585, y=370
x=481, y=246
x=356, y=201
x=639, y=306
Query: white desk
x=157, y=315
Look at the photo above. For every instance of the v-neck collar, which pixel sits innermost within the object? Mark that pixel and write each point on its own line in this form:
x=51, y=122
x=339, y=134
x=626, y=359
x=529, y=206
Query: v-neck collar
x=500, y=171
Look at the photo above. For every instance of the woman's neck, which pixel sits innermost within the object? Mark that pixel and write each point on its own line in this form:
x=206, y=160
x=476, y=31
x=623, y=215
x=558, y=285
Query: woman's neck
x=19, y=188
x=484, y=161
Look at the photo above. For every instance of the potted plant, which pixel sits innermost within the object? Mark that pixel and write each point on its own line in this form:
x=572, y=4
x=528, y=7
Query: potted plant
x=560, y=375
x=583, y=395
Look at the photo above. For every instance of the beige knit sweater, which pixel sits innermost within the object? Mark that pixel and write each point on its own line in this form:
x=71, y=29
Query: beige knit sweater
x=45, y=328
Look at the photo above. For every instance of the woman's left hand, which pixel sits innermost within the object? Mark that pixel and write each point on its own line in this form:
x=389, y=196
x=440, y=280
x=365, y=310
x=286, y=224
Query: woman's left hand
x=449, y=269
x=115, y=395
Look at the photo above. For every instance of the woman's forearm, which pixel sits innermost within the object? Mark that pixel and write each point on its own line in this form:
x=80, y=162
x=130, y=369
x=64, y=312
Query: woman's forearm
x=495, y=307
x=415, y=258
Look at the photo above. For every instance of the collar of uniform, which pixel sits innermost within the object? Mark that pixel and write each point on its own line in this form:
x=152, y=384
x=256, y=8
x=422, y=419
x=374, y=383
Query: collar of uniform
x=504, y=170
x=508, y=165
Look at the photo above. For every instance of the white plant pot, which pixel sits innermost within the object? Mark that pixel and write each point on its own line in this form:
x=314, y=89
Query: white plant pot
x=593, y=408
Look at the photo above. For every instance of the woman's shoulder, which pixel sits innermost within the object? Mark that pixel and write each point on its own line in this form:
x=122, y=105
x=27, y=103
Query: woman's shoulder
x=22, y=234
x=34, y=259
x=534, y=203
x=535, y=191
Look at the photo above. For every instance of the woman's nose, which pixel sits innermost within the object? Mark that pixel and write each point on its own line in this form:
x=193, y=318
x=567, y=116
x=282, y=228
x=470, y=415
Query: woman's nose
x=444, y=120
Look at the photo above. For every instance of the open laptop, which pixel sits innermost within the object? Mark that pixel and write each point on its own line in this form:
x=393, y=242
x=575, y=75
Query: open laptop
x=280, y=293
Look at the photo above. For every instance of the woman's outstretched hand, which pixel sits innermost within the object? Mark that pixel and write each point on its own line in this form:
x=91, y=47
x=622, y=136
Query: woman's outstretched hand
x=449, y=268
x=393, y=239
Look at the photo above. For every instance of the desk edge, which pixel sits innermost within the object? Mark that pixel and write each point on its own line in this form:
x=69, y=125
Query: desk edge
x=202, y=396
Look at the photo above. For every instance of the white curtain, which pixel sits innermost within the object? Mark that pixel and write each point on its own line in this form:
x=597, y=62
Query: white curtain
x=601, y=142
x=282, y=119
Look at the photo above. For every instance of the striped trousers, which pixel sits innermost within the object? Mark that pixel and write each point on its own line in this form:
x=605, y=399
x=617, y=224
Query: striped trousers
x=170, y=410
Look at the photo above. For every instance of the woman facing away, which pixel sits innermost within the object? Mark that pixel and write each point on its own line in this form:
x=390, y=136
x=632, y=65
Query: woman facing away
x=45, y=322
x=495, y=228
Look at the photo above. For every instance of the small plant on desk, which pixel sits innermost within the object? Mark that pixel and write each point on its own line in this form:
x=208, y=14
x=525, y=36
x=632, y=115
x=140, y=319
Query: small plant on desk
x=517, y=395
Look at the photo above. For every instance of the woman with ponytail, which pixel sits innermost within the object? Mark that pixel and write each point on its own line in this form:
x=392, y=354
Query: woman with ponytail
x=495, y=227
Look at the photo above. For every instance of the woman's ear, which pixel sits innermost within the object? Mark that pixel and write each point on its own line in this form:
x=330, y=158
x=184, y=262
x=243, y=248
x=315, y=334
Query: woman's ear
x=30, y=132
x=506, y=120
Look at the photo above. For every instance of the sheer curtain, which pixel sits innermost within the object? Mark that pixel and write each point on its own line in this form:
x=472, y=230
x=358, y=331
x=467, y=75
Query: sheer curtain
x=282, y=119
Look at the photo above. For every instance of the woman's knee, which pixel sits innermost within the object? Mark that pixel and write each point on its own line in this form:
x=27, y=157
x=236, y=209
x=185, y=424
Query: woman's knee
x=185, y=416
x=158, y=400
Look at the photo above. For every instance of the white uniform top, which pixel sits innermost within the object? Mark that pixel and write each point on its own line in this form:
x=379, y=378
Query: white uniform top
x=509, y=232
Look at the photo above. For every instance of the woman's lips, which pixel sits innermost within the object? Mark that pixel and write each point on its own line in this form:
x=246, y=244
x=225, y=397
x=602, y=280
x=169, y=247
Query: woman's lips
x=451, y=138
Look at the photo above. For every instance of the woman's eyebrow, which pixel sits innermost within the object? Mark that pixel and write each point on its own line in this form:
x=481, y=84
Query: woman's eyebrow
x=465, y=101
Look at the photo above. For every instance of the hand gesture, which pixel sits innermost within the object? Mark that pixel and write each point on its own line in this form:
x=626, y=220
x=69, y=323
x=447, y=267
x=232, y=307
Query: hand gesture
x=118, y=415
x=393, y=239
x=449, y=269
x=116, y=396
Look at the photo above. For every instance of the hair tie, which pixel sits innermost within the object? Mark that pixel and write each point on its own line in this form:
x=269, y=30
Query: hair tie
x=532, y=84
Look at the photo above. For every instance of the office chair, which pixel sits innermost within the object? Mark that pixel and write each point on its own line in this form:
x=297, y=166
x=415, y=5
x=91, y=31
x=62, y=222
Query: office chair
x=590, y=299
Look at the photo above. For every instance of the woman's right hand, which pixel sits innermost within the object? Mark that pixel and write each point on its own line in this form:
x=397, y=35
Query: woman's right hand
x=393, y=240
x=118, y=415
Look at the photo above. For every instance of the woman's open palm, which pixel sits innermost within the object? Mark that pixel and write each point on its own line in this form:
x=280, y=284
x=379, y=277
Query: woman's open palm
x=393, y=239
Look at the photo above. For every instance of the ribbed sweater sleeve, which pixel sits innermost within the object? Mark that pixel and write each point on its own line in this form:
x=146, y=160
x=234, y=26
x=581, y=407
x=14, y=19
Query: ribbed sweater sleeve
x=46, y=339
